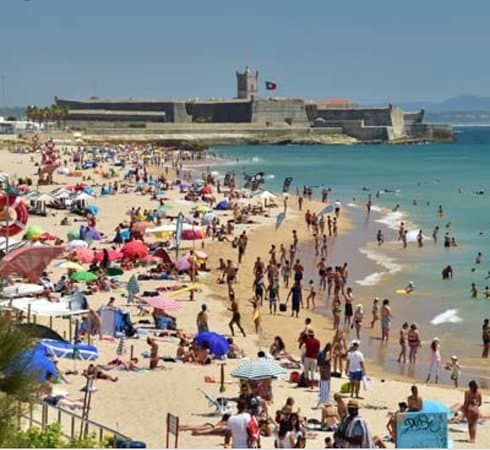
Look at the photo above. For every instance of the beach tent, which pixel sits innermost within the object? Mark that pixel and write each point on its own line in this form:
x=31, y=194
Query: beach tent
x=34, y=362
x=29, y=261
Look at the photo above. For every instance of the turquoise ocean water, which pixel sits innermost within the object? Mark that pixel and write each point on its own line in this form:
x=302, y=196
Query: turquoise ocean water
x=418, y=178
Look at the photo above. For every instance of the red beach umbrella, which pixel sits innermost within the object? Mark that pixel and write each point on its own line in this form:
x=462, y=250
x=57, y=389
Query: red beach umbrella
x=114, y=255
x=84, y=255
x=165, y=303
x=192, y=235
x=135, y=250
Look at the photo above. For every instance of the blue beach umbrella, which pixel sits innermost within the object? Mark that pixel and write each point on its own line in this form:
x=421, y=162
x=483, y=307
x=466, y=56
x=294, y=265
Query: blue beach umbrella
x=218, y=344
x=92, y=209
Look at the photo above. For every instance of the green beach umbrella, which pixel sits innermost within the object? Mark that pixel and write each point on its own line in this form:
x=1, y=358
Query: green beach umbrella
x=33, y=231
x=113, y=271
x=83, y=276
x=74, y=234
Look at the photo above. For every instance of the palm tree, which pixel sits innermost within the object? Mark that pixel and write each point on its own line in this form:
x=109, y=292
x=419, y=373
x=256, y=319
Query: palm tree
x=15, y=384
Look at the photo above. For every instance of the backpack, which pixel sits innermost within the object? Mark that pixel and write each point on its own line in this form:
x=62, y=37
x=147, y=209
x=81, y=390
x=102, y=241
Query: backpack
x=253, y=432
x=302, y=380
x=294, y=376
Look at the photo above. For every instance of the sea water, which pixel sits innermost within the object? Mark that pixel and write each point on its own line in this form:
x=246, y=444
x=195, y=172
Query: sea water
x=418, y=178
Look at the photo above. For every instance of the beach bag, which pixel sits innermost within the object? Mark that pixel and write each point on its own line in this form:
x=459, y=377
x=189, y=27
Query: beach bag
x=283, y=307
x=302, y=380
x=345, y=388
x=294, y=376
x=365, y=383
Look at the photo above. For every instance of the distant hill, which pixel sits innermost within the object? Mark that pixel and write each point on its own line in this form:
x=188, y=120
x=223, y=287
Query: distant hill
x=460, y=103
x=13, y=111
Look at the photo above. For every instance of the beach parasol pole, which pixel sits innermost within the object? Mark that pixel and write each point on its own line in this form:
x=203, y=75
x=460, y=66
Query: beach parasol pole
x=222, y=378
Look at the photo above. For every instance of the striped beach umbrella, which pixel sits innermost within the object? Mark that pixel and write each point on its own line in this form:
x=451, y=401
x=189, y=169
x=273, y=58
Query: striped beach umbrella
x=258, y=369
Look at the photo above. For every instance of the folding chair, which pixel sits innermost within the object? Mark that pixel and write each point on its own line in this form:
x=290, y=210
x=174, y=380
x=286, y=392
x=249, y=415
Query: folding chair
x=220, y=404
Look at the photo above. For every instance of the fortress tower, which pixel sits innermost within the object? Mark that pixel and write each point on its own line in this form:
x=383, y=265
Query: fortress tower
x=247, y=83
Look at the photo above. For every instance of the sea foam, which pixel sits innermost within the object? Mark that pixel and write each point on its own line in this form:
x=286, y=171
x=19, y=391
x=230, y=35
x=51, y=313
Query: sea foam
x=387, y=262
x=448, y=316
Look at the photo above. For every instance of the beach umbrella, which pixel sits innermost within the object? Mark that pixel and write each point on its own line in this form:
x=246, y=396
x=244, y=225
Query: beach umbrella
x=29, y=261
x=113, y=271
x=203, y=209
x=208, y=218
x=134, y=250
x=22, y=290
x=183, y=264
x=162, y=254
x=94, y=234
x=83, y=276
x=84, y=255
x=191, y=235
x=199, y=254
x=70, y=265
x=121, y=346
x=140, y=227
x=113, y=255
x=165, y=303
x=258, y=369
x=46, y=237
x=77, y=243
x=218, y=344
x=73, y=235
x=32, y=232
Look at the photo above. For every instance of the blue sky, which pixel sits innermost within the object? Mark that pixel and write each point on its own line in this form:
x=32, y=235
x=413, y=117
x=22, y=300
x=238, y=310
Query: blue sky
x=369, y=51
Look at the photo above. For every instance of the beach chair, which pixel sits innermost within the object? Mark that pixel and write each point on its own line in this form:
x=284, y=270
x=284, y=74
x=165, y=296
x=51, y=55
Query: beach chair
x=220, y=404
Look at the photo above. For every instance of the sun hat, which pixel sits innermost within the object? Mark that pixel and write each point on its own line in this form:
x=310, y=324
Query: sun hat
x=353, y=404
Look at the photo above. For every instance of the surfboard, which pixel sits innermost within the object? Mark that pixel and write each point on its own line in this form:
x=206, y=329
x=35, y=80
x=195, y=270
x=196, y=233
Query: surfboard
x=402, y=292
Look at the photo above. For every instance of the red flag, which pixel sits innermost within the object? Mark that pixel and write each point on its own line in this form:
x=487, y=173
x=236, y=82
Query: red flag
x=270, y=85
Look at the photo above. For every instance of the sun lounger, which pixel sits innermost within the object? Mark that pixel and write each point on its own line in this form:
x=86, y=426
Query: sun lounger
x=221, y=404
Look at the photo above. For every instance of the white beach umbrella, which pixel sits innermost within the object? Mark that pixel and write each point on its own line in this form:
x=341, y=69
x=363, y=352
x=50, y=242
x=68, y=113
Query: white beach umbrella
x=22, y=290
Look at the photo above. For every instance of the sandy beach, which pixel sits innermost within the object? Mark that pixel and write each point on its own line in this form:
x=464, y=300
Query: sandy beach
x=138, y=402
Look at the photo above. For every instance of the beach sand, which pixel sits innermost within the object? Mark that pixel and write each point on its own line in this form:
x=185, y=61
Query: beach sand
x=138, y=403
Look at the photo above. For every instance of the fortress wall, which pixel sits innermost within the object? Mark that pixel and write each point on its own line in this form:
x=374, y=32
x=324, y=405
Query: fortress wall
x=397, y=123
x=278, y=111
x=180, y=114
x=370, y=116
x=414, y=117
x=358, y=130
x=214, y=112
x=440, y=132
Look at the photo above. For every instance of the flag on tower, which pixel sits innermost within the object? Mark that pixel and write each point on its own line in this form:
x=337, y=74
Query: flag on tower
x=270, y=85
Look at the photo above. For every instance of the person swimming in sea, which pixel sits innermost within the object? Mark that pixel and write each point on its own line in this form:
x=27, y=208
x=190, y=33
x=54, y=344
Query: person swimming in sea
x=410, y=287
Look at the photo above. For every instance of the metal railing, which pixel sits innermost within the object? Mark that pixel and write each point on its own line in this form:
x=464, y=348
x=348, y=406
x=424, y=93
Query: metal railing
x=72, y=424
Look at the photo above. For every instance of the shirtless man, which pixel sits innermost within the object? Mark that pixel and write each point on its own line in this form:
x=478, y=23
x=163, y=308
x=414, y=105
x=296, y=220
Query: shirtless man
x=202, y=319
x=386, y=317
x=235, y=318
x=230, y=273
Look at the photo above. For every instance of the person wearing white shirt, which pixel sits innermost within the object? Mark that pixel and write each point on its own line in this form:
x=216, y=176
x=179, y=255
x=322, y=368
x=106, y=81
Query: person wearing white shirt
x=355, y=368
x=237, y=427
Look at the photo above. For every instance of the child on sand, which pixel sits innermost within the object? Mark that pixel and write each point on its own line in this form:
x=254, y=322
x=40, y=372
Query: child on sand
x=455, y=369
x=311, y=296
x=256, y=314
x=375, y=311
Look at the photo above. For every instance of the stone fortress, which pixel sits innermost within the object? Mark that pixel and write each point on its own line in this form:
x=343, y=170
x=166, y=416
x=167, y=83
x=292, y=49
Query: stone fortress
x=252, y=112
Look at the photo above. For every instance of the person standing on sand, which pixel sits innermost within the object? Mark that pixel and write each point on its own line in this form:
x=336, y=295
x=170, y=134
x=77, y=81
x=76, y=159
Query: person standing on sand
x=414, y=343
x=235, y=317
x=242, y=246
x=230, y=274
x=386, y=317
x=336, y=312
x=355, y=368
x=358, y=317
x=403, y=340
x=435, y=360
x=237, y=426
x=202, y=319
x=153, y=352
x=295, y=239
x=348, y=311
x=324, y=368
x=311, y=346
x=375, y=311
x=485, y=334
x=286, y=273
x=300, y=202
x=471, y=408
x=311, y=296
x=296, y=298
